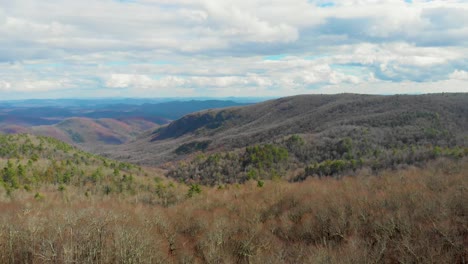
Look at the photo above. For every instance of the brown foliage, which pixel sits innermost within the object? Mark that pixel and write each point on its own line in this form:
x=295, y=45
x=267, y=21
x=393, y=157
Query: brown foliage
x=411, y=216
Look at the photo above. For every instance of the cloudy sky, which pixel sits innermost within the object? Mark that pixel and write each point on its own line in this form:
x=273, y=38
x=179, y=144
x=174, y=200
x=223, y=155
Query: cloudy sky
x=161, y=48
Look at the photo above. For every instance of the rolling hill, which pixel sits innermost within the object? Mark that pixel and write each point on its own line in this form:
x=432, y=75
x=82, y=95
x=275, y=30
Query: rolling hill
x=93, y=124
x=87, y=132
x=363, y=128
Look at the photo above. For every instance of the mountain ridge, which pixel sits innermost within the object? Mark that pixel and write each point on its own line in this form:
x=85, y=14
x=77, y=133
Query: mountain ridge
x=317, y=115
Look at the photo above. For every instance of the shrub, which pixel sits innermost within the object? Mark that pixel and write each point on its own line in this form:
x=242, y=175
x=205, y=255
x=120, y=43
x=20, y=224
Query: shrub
x=193, y=190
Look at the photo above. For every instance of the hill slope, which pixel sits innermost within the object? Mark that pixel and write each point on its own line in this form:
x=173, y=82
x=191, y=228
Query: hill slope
x=33, y=162
x=104, y=130
x=87, y=132
x=440, y=119
x=411, y=216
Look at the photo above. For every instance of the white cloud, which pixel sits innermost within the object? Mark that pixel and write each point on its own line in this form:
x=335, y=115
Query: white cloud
x=217, y=47
x=128, y=80
x=34, y=85
x=459, y=75
x=400, y=52
x=5, y=86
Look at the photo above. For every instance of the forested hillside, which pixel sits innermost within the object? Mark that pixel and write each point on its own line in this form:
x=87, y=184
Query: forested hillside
x=309, y=135
x=36, y=164
x=408, y=216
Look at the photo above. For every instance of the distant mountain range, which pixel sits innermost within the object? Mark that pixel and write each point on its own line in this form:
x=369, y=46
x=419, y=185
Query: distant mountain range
x=94, y=123
x=105, y=102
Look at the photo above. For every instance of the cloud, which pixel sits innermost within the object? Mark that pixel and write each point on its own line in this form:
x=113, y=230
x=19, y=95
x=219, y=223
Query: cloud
x=128, y=80
x=459, y=75
x=271, y=76
x=221, y=47
x=34, y=85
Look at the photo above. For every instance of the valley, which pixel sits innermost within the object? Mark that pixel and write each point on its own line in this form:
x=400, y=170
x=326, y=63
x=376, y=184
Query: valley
x=92, y=124
x=305, y=179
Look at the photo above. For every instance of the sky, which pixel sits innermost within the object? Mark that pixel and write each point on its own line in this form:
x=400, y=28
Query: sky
x=219, y=48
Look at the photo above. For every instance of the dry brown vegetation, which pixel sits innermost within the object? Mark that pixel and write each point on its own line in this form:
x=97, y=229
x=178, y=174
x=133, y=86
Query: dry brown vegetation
x=409, y=216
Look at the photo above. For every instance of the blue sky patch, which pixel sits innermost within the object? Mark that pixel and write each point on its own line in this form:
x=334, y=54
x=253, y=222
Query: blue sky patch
x=44, y=65
x=326, y=4
x=275, y=57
